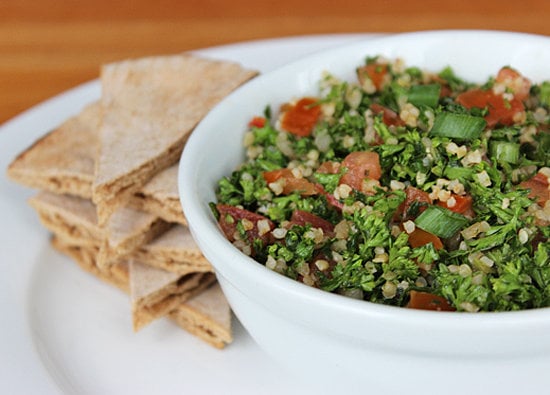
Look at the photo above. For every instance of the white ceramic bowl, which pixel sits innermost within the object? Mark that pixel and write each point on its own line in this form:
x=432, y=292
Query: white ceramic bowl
x=347, y=343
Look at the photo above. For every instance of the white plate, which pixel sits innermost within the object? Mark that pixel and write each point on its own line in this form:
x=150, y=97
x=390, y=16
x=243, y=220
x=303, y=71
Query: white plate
x=63, y=331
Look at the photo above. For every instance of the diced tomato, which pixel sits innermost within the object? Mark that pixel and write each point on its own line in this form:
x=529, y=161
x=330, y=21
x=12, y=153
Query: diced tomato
x=291, y=183
x=302, y=218
x=376, y=72
x=258, y=122
x=231, y=215
x=329, y=168
x=361, y=165
x=414, y=196
x=500, y=110
x=274, y=175
x=538, y=186
x=301, y=185
x=514, y=82
x=419, y=238
x=463, y=204
x=389, y=117
x=428, y=301
x=300, y=118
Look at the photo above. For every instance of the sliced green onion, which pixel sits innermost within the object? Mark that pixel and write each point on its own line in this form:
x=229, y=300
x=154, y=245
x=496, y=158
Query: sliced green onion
x=424, y=95
x=457, y=126
x=504, y=151
x=440, y=221
x=545, y=93
x=419, y=95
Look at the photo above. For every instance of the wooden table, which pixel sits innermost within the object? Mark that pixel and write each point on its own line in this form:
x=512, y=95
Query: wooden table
x=48, y=46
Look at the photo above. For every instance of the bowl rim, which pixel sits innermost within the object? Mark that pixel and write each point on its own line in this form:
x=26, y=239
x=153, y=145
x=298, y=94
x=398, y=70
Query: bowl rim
x=207, y=234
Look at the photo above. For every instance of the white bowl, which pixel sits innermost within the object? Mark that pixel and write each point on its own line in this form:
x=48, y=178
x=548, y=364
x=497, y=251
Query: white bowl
x=346, y=343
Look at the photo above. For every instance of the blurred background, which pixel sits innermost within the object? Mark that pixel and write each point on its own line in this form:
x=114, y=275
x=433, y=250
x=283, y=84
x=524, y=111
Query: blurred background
x=48, y=46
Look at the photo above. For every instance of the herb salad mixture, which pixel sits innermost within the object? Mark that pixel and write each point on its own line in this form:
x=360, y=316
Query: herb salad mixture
x=402, y=187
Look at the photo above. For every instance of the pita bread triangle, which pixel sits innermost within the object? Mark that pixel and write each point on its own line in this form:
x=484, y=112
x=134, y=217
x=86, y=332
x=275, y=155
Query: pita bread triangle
x=155, y=292
x=207, y=316
x=75, y=221
x=150, y=106
x=62, y=161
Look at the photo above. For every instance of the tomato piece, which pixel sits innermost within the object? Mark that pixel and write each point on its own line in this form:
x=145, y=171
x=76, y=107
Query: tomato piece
x=389, y=117
x=329, y=168
x=419, y=238
x=376, y=72
x=291, y=183
x=514, y=82
x=274, y=175
x=231, y=215
x=302, y=218
x=428, y=301
x=500, y=110
x=416, y=201
x=463, y=204
x=258, y=122
x=300, y=118
x=538, y=186
x=301, y=185
x=361, y=165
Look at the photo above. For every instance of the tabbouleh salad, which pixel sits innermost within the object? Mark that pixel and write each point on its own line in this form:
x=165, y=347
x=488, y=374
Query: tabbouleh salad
x=403, y=187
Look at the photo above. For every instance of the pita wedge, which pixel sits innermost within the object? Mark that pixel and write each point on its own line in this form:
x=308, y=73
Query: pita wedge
x=75, y=221
x=155, y=292
x=150, y=106
x=207, y=316
x=160, y=196
x=62, y=161
x=174, y=251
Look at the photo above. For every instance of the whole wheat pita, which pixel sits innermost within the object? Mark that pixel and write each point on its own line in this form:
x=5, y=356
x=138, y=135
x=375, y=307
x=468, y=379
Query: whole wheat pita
x=74, y=220
x=150, y=106
x=155, y=292
x=207, y=316
x=62, y=161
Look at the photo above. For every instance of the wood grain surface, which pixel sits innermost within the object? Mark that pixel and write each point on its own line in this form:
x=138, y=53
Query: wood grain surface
x=48, y=46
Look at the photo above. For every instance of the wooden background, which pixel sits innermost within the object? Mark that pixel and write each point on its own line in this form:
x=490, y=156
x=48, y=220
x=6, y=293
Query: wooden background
x=48, y=46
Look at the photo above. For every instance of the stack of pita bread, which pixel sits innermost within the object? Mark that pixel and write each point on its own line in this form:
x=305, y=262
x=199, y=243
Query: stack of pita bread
x=107, y=181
